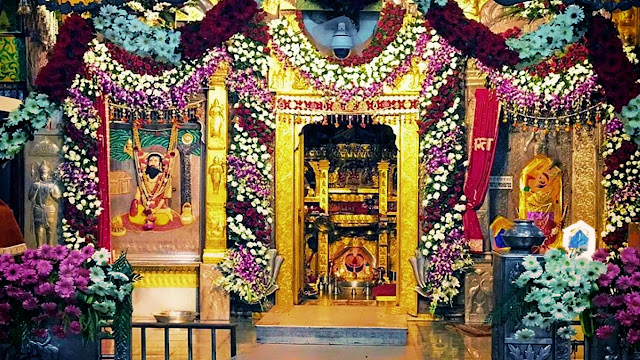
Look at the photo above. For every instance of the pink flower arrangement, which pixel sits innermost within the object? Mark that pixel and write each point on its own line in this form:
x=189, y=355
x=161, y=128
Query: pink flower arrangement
x=56, y=289
x=618, y=300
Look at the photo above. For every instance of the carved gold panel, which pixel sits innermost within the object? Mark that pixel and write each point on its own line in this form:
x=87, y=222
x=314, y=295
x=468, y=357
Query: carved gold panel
x=156, y=276
x=285, y=207
x=585, y=176
x=408, y=211
x=216, y=176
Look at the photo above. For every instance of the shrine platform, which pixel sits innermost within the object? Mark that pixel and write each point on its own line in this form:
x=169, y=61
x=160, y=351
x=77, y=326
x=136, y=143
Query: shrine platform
x=333, y=325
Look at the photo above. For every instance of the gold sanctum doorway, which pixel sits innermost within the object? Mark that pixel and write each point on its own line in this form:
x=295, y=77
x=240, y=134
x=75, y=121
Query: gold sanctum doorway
x=301, y=204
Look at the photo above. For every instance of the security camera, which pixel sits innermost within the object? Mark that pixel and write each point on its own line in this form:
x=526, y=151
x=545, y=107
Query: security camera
x=341, y=43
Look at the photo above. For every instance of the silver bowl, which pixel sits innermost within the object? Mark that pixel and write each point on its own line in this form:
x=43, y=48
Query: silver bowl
x=176, y=316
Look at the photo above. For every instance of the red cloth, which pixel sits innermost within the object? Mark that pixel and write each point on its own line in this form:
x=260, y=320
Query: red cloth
x=482, y=152
x=10, y=234
x=384, y=290
x=104, y=221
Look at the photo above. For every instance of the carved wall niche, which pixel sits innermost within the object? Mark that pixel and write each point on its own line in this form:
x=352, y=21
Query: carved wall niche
x=515, y=149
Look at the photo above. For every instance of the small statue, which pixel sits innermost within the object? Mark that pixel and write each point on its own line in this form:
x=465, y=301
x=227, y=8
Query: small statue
x=44, y=195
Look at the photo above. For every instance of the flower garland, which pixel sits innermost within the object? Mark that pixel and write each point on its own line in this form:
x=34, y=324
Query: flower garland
x=621, y=176
x=443, y=157
x=21, y=125
x=294, y=49
x=550, y=37
x=126, y=31
x=615, y=72
x=171, y=88
x=79, y=171
x=249, y=177
x=135, y=63
x=387, y=28
x=469, y=36
x=555, y=94
x=66, y=58
x=224, y=20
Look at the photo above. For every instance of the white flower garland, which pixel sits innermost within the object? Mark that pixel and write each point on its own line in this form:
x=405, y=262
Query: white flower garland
x=97, y=58
x=292, y=46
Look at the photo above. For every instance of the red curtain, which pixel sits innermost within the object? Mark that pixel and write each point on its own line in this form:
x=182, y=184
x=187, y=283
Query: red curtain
x=104, y=221
x=481, y=155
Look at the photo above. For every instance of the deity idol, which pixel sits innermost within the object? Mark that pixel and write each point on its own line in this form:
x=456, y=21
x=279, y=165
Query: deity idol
x=541, y=197
x=44, y=195
x=150, y=205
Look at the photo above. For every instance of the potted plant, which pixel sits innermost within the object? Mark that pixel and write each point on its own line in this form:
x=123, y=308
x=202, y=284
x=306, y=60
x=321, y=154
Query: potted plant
x=617, y=305
x=52, y=297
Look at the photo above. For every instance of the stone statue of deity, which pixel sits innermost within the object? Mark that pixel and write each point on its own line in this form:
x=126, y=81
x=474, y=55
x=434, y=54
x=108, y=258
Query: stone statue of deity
x=44, y=195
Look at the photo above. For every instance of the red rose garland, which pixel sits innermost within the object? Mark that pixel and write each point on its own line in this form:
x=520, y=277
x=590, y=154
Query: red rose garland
x=258, y=30
x=470, y=37
x=135, y=63
x=66, y=58
x=615, y=71
x=219, y=24
x=576, y=53
x=389, y=23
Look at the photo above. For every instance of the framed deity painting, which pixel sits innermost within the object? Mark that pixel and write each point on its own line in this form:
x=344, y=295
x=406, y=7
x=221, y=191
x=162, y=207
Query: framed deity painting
x=156, y=194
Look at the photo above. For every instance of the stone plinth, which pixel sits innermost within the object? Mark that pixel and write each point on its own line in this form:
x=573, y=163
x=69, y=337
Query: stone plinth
x=478, y=293
x=214, y=301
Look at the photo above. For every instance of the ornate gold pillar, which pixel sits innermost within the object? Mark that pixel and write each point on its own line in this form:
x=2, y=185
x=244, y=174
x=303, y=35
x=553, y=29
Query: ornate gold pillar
x=285, y=207
x=408, y=210
x=585, y=182
x=383, y=183
x=216, y=177
x=323, y=253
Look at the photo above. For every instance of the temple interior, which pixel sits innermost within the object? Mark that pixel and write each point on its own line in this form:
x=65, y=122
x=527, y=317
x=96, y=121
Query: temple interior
x=319, y=179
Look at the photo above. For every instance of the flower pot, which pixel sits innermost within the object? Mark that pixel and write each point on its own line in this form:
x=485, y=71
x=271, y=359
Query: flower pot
x=523, y=236
x=53, y=348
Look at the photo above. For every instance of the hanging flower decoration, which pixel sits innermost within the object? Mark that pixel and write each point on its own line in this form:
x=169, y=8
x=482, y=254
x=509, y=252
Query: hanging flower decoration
x=387, y=28
x=621, y=176
x=219, y=24
x=470, y=37
x=136, y=37
x=172, y=87
x=615, y=72
x=550, y=37
x=443, y=156
x=250, y=169
x=79, y=171
x=292, y=47
x=66, y=58
x=135, y=63
x=555, y=94
x=21, y=125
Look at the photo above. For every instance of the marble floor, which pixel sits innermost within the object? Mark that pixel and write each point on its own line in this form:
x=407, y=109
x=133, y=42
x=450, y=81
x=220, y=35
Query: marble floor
x=427, y=340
